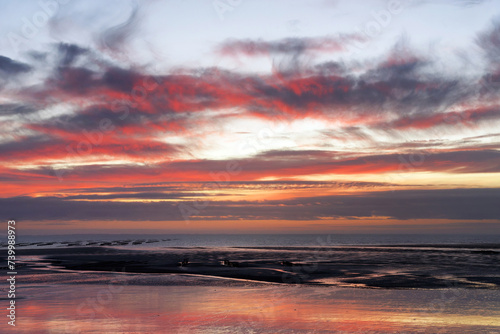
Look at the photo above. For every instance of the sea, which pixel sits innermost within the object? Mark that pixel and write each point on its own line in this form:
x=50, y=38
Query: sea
x=152, y=241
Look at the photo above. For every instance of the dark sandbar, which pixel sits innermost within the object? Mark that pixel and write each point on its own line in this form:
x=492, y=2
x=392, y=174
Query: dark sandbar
x=373, y=267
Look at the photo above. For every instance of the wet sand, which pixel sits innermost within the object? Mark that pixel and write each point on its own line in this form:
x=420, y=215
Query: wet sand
x=383, y=289
x=124, y=308
x=369, y=267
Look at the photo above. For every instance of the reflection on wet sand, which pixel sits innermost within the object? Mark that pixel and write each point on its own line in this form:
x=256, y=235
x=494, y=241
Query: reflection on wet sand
x=123, y=308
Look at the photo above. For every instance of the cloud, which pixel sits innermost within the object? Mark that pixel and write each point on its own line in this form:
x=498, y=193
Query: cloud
x=69, y=53
x=394, y=94
x=489, y=41
x=10, y=109
x=136, y=196
x=11, y=67
x=76, y=80
x=464, y=117
x=56, y=209
x=291, y=46
x=458, y=204
x=85, y=145
x=154, y=117
x=114, y=38
x=145, y=165
x=227, y=187
x=401, y=204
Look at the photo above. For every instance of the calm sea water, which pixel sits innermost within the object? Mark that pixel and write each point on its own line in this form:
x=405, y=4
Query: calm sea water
x=262, y=240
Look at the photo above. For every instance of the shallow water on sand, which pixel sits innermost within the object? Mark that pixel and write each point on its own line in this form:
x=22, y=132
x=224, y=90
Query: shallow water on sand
x=158, y=241
x=123, y=308
x=140, y=287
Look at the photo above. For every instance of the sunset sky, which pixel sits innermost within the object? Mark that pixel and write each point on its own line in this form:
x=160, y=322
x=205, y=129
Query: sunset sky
x=250, y=116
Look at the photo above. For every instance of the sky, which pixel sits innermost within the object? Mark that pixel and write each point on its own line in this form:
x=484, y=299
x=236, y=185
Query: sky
x=239, y=116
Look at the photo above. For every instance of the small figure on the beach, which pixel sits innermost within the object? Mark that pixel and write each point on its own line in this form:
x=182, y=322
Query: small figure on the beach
x=228, y=263
x=185, y=262
x=286, y=263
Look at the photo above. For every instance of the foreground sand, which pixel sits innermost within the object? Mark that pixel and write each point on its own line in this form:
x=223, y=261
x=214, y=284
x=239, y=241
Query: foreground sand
x=123, y=308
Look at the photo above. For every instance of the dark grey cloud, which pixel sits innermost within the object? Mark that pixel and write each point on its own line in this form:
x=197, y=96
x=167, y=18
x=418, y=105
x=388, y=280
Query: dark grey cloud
x=293, y=46
x=400, y=204
x=388, y=90
x=69, y=53
x=76, y=80
x=457, y=204
x=489, y=41
x=27, y=145
x=120, y=79
x=90, y=119
x=52, y=208
x=9, y=109
x=405, y=204
x=11, y=67
x=402, y=85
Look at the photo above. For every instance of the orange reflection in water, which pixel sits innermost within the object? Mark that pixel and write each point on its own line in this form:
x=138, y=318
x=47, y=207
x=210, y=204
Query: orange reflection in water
x=267, y=309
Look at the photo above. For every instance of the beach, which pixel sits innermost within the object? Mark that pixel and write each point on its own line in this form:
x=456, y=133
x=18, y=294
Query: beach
x=366, y=266
x=248, y=289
